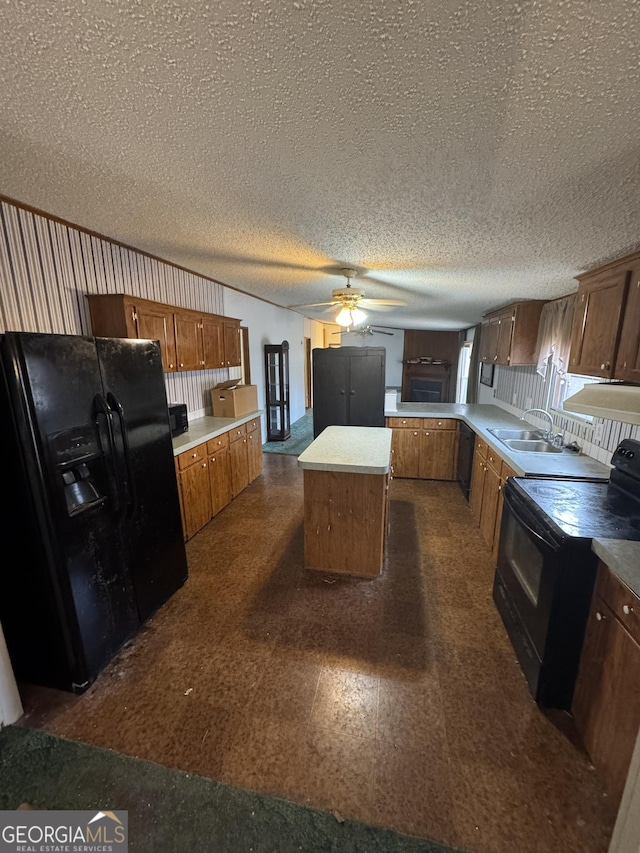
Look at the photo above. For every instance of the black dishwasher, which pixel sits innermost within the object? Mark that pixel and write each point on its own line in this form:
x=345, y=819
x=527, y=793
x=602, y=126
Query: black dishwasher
x=465, y=458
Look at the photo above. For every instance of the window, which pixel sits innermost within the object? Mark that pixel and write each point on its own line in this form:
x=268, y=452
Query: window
x=565, y=385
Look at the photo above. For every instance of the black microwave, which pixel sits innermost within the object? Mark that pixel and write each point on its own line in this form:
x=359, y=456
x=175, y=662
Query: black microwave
x=178, y=421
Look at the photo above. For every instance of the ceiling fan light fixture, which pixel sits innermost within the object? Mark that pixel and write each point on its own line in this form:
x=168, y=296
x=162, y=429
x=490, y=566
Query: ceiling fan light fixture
x=344, y=317
x=357, y=316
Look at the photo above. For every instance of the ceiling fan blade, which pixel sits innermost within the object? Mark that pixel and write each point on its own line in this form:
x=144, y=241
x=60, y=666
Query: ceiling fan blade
x=313, y=304
x=365, y=301
x=380, y=332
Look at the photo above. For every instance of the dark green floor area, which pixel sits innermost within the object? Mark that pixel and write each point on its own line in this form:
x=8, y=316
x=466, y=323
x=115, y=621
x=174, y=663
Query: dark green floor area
x=174, y=811
x=301, y=437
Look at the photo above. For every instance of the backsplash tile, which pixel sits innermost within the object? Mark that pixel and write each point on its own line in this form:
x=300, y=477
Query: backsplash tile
x=520, y=388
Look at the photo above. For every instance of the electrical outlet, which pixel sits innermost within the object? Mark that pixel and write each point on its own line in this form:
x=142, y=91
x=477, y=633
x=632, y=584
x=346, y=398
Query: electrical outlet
x=597, y=432
x=515, y=398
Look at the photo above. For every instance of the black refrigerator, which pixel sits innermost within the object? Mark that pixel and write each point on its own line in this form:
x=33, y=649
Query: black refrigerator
x=91, y=521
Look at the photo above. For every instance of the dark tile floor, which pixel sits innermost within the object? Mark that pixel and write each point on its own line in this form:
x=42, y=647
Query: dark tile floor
x=397, y=701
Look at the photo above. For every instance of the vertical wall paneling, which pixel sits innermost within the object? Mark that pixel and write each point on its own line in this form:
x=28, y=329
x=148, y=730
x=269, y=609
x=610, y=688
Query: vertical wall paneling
x=47, y=269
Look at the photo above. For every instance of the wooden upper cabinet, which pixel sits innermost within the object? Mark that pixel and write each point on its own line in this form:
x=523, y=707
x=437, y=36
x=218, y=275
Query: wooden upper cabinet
x=509, y=336
x=120, y=316
x=212, y=342
x=628, y=360
x=189, y=340
x=232, y=345
x=597, y=322
x=188, y=328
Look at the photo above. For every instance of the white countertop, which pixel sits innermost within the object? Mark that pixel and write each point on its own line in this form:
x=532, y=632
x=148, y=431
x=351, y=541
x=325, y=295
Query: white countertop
x=623, y=558
x=349, y=449
x=482, y=417
x=202, y=429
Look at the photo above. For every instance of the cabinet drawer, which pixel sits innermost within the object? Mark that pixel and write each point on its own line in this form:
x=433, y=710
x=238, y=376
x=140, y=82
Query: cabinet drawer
x=404, y=423
x=481, y=448
x=190, y=457
x=622, y=601
x=218, y=442
x=439, y=423
x=253, y=425
x=494, y=460
x=237, y=432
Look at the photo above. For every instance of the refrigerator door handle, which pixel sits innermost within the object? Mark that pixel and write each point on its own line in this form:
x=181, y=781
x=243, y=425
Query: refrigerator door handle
x=102, y=408
x=116, y=406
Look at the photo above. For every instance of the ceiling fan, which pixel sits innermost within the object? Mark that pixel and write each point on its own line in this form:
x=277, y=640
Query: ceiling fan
x=364, y=331
x=351, y=301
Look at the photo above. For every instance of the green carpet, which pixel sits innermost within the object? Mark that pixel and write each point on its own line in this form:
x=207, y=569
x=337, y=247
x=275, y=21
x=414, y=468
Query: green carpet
x=171, y=811
x=301, y=437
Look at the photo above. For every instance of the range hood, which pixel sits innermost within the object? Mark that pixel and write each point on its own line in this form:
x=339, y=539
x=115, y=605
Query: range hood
x=613, y=401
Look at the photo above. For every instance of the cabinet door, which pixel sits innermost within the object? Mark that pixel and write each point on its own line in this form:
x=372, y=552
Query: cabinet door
x=365, y=399
x=596, y=323
x=232, y=348
x=239, y=465
x=489, y=510
x=196, y=497
x=188, y=329
x=438, y=454
x=477, y=485
x=504, y=333
x=405, y=444
x=220, y=479
x=212, y=343
x=628, y=360
x=155, y=322
x=489, y=340
x=606, y=703
x=330, y=378
x=254, y=455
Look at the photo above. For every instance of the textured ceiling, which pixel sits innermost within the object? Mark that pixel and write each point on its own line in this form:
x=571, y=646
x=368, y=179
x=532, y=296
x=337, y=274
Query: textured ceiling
x=458, y=154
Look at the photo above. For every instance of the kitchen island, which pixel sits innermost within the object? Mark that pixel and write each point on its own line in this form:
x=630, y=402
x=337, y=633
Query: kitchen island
x=346, y=478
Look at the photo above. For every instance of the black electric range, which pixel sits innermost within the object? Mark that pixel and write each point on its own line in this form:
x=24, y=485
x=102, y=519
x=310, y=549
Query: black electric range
x=546, y=567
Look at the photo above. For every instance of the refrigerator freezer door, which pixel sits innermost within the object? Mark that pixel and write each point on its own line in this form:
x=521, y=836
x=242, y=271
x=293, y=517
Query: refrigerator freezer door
x=69, y=605
x=151, y=526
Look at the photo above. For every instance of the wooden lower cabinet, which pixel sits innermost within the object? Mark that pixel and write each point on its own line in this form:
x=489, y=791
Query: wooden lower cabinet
x=219, y=479
x=606, y=701
x=194, y=489
x=489, y=474
x=345, y=522
x=424, y=448
x=213, y=473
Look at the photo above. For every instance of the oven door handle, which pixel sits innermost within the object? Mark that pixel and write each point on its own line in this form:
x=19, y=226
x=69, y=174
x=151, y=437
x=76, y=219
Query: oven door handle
x=513, y=508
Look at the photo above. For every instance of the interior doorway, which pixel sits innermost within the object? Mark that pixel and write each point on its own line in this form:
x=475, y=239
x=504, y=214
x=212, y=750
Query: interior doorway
x=307, y=373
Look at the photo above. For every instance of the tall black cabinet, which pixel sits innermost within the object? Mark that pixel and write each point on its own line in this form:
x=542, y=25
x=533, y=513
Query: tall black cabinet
x=276, y=374
x=348, y=387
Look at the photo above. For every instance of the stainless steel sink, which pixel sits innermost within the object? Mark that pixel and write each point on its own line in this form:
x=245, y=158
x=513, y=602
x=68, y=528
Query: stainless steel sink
x=519, y=434
x=524, y=445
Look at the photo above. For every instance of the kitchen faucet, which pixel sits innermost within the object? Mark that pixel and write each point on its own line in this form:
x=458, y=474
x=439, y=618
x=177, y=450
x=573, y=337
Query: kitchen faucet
x=549, y=433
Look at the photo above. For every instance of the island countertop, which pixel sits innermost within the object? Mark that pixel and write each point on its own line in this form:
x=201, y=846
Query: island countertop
x=349, y=449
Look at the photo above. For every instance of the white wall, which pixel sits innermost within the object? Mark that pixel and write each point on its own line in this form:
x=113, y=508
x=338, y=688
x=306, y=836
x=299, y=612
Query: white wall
x=270, y=324
x=394, y=347
x=10, y=705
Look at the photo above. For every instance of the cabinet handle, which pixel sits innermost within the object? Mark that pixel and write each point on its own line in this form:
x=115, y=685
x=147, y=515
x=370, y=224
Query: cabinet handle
x=342, y=391
x=181, y=364
x=170, y=365
x=599, y=617
x=426, y=433
x=204, y=464
x=404, y=422
x=415, y=433
x=627, y=610
x=495, y=358
x=194, y=455
x=439, y=423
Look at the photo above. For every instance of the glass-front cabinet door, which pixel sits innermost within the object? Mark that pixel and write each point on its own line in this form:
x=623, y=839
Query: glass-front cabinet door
x=276, y=371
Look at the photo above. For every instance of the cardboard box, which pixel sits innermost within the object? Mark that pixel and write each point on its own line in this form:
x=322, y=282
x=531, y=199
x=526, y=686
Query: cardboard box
x=231, y=400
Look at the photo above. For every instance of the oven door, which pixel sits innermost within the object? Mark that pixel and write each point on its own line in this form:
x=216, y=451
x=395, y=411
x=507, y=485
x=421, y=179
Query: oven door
x=530, y=560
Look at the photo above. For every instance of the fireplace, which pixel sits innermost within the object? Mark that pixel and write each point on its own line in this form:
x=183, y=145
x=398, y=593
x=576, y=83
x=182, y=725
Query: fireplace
x=426, y=382
x=426, y=390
